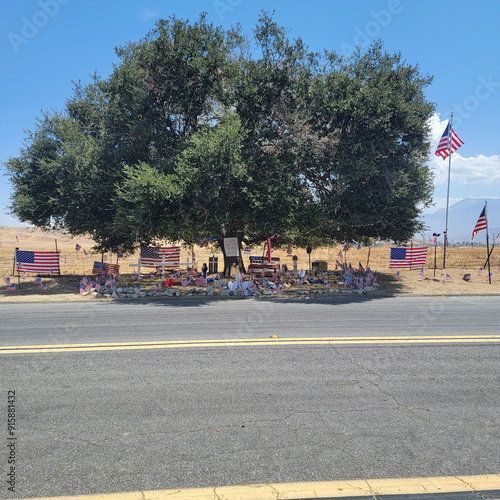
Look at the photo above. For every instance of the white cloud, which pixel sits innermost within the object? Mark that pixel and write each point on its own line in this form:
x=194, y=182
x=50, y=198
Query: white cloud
x=476, y=170
x=147, y=14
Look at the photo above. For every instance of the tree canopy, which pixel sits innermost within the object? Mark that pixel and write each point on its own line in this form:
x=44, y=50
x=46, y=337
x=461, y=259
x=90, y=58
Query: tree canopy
x=200, y=132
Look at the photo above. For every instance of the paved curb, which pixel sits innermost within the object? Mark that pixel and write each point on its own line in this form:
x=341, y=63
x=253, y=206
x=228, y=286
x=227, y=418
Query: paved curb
x=281, y=297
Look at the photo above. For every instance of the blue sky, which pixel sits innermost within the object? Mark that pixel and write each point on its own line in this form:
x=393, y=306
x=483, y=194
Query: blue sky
x=45, y=44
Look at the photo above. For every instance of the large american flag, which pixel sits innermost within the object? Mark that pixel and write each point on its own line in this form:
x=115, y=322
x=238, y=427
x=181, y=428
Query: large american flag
x=408, y=257
x=37, y=262
x=442, y=149
x=153, y=256
x=480, y=224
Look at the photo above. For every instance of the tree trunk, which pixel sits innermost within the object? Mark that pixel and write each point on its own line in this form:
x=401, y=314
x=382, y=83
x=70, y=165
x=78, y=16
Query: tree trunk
x=230, y=261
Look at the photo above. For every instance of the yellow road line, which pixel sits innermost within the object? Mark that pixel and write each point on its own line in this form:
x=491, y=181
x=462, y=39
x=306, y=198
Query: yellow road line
x=171, y=344
x=321, y=489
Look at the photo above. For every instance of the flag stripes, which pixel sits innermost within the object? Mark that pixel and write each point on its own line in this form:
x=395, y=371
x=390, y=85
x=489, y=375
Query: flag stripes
x=442, y=148
x=112, y=269
x=153, y=256
x=37, y=262
x=480, y=224
x=408, y=257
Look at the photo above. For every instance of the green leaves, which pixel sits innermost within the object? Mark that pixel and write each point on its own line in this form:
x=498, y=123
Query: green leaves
x=194, y=136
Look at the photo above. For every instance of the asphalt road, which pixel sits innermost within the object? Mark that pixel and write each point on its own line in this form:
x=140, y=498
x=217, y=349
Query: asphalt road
x=128, y=420
x=191, y=318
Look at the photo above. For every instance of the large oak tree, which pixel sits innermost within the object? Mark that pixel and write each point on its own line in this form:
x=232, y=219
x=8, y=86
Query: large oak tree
x=200, y=132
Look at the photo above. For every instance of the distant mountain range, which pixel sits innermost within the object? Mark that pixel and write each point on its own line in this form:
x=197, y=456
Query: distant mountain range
x=462, y=218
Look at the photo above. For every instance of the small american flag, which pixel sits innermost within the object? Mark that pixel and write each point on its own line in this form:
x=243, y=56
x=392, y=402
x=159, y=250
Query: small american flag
x=361, y=268
x=7, y=281
x=11, y=288
x=153, y=256
x=480, y=224
x=201, y=281
x=442, y=148
x=37, y=281
x=77, y=247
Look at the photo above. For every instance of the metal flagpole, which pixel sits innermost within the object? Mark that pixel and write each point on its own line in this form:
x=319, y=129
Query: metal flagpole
x=487, y=240
x=448, y=191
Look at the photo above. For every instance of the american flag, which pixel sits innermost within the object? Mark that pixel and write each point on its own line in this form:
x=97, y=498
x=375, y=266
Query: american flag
x=98, y=268
x=11, y=288
x=201, y=281
x=111, y=269
x=77, y=247
x=38, y=281
x=37, y=262
x=442, y=149
x=480, y=224
x=408, y=257
x=153, y=256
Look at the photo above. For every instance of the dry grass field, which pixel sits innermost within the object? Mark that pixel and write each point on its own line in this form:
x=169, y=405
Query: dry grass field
x=460, y=260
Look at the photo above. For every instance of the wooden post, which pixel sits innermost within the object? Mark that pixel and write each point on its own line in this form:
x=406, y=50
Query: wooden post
x=13, y=271
x=368, y=259
x=488, y=253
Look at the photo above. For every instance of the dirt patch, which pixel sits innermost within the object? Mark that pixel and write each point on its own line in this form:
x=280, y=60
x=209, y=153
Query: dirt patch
x=66, y=288
x=461, y=261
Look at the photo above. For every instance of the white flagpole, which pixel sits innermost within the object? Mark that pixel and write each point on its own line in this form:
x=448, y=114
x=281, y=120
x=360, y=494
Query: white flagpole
x=448, y=191
x=487, y=240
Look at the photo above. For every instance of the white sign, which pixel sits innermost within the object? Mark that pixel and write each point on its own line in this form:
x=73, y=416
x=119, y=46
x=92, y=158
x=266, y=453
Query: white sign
x=231, y=247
